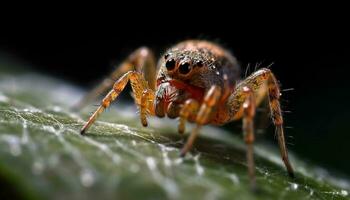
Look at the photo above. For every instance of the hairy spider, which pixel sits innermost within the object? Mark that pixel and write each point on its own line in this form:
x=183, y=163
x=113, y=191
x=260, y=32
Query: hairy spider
x=197, y=81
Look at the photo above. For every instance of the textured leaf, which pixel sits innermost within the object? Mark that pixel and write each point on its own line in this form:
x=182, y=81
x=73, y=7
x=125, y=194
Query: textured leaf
x=42, y=155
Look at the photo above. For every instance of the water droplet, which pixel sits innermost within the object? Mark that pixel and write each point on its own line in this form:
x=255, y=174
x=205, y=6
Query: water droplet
x=234, y=178
x=178, y=161
x=344, y=193
x=49, y=129
x=3, y=98
x=151, y=163
x=103, y=147
x=311, y=192
x=57, y=109
x=217, y=73
x=87, y=178
x=167, y=161
x=133, y=142
x=199, y=168
x=172, y=189
x=294, y=186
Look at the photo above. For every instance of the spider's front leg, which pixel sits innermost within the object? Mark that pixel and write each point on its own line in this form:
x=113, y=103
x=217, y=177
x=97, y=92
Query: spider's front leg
x=141, y=60
x=142, y=96
x=211, y=99
x=189, y=109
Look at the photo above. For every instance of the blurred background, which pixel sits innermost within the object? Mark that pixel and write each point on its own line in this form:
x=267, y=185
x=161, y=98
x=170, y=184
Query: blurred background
x=312, y=59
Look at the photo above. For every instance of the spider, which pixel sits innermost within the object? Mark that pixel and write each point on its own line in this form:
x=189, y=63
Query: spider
x=197, y=81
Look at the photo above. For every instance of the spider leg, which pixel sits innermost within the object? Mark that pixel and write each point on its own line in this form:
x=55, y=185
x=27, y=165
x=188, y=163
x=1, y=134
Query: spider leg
x=211, y=99
x=248, y=131
x=146, y=106
x=189, y=108
x=141, y=60
x=139, y=87
x=262, y=80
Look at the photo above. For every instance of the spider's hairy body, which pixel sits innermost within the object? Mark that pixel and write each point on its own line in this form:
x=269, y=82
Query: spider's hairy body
x=196, y=81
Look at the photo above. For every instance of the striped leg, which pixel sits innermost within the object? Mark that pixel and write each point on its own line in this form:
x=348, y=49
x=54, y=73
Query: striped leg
x=258, y=82
x=138, y=84
x=203, y=116
x=189, y=109
x=142, y=60
x=248, y=131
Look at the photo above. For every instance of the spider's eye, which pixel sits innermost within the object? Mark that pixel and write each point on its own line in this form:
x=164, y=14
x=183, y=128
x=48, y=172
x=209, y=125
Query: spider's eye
x=170, y=64
x=166, y=56
x=185, y=68
x=199, y=64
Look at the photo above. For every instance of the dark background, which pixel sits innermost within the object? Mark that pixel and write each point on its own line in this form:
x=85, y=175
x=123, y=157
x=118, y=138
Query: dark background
x=310, y=56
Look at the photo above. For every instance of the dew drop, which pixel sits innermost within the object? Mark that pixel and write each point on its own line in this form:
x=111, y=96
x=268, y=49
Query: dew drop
x=133, y=142
x=151, y=163
x=199, y=168
x=311, y=192
x=344, y=193
x=167, y=162
x=234, y=178
x=103, y=147
x=294, y=186
x=57, y=109
x=178, y=161
x=3, y=98
x=87, y=178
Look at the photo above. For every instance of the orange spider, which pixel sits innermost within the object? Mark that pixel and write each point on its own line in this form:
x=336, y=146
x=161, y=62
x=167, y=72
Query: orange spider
x=197, y=81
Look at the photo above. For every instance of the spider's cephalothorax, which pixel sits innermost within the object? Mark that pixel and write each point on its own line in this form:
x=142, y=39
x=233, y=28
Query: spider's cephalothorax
x=188, y=70
x=197, y=81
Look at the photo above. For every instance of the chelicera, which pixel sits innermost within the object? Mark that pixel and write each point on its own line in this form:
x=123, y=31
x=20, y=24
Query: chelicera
x=196, y=81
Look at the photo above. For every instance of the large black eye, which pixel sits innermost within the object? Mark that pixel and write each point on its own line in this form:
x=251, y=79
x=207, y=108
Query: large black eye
x=185, y=68
x=170, y=64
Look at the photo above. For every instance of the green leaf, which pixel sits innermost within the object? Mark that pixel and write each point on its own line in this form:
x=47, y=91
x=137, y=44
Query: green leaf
x=42, y=155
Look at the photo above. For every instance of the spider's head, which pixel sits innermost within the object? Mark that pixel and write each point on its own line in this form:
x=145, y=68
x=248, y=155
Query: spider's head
x=175, y=82
x=182, y=65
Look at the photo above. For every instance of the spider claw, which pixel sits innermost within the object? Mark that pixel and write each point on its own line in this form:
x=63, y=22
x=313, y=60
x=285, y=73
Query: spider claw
x=253, y=186
x=144, y=123
x=82, y=131
x=182, y=153
x=291, y=174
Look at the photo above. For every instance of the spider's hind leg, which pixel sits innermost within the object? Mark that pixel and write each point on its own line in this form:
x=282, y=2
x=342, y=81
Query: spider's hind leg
x=141, y=60
x=263, y=83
